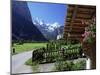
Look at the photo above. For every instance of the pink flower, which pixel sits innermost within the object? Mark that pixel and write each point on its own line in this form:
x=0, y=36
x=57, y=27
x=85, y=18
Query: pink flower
x=86, y=35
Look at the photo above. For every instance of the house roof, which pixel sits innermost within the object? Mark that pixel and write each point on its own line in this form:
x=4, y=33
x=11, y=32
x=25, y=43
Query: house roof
x=73, y=27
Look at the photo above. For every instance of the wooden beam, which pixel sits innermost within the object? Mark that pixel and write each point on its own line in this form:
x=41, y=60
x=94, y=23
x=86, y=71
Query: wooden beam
x=73, y=16
x=76, y=20
x=85, y=12
x=87, y=18
x=75, y=27
x=76, y=24
x=81, y=9
x=87, y=7
x=74, y=30
x=83, y=15
x=73, y=33
x=69, y=15
x=93, y=14
x=75, y=36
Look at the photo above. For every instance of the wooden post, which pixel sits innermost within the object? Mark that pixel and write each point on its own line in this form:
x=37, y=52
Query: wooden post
x=14, y=51
x=90, y=51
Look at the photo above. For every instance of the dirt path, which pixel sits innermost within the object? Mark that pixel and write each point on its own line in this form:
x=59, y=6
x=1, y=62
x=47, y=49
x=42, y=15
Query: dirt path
x=18, y=63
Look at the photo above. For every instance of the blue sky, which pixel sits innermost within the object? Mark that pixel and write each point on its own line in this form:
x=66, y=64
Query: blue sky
x=48, y=12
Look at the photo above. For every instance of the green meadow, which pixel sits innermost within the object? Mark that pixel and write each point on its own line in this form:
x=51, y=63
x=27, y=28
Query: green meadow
x=27, y=46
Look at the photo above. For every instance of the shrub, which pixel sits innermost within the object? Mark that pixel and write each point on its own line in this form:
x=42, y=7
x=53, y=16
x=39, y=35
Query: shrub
x=37, y=55
x=79, y=65
x=70, y=65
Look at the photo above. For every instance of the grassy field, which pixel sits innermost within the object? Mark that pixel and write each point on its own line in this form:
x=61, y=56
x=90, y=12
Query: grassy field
x=27, y=46
x=34, y=65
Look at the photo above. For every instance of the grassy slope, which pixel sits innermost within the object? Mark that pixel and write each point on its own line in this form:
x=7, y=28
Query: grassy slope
x=28, y=46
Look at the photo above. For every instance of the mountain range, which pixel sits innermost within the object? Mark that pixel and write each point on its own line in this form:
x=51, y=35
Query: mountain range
x=23, y=27
x=50, y=31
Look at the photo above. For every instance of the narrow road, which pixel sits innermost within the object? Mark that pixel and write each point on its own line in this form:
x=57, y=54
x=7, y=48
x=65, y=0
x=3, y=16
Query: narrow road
x=49, y=67
x=18, y=63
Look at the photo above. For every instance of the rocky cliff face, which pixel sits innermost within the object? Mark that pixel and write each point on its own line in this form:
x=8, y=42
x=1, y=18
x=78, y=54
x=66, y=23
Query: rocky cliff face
x=22, y=26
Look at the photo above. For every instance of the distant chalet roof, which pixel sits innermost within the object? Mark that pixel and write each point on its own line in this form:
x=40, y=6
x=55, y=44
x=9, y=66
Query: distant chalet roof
x=73, y=22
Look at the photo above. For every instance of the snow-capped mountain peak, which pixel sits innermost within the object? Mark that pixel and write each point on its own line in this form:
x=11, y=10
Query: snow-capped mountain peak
x=46, y=26
x=53, y=26
x=38, y=21
x=49, y=30
x=41, y=22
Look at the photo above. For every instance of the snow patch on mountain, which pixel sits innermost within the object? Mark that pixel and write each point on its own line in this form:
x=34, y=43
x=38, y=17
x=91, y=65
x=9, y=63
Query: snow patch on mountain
x=40, y=21
x=53, y=26
x=49, y=30
x=47, y=26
